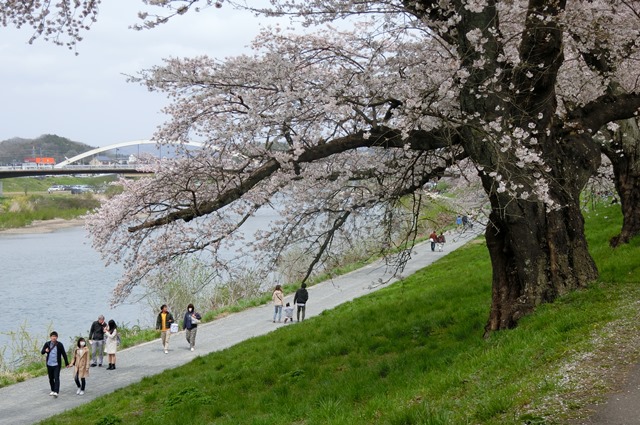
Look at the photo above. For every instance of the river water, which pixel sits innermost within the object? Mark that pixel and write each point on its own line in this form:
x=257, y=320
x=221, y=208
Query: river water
x=57, y=281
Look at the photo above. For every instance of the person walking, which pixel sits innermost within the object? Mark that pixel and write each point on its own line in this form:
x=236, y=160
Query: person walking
x=300, y=300
x=96, y=340
x=55, y=352
x=288, y=313
x=163, y=324
x=191, y=320
x=278, y=302
x=80, y=363
x=433, y=237
x=465, y=222
x=441, y=240
x=111, y=343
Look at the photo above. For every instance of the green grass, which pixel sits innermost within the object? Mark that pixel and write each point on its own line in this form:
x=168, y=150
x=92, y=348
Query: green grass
x=26, y=199
x=41, y=184
x=20, y=211
x=411, y=353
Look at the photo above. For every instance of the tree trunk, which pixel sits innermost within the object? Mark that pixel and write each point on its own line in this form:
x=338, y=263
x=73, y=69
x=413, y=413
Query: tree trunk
x=624, y=154
x=628, y=186
x=537, y=246
x=536, y=255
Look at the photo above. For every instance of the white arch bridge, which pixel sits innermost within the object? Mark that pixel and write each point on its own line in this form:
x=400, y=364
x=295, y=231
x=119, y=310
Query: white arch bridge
x=68, y=167
x=112, y=147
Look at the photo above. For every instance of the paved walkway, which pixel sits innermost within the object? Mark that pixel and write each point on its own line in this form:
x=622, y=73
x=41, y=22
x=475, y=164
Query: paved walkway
x=29, y=402
x=621, y=407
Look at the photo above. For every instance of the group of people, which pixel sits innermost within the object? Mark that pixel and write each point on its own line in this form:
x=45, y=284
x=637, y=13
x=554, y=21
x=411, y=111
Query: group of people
x=103, y=338
x=299, y=301
x=167, y=325
x=463, y=221
x=437, y=241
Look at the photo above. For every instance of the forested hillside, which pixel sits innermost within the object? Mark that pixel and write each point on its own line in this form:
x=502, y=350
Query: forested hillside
x=15, y=150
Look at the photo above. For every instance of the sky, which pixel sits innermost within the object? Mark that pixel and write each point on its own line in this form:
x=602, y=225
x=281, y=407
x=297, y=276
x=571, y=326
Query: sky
x=47, y=89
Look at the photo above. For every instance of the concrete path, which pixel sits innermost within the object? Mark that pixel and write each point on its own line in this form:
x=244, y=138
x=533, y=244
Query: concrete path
x=29, y=402
x=621, y=407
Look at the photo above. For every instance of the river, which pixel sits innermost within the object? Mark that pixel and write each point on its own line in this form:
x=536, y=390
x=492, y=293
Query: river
x=56, y=281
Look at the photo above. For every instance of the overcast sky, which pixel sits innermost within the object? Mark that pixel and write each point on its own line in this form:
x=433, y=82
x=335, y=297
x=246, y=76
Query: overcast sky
x=46, y=89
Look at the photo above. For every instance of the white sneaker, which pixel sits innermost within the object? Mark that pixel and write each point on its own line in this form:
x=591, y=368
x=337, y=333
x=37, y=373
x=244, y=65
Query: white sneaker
x=192, y=348
x=166, y=351
x=55, y=395
x=81, y=393
x=78, y=391
x=51, y=393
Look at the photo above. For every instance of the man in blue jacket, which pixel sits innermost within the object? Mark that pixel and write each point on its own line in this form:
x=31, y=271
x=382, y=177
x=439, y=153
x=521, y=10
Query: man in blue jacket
x=55, y=353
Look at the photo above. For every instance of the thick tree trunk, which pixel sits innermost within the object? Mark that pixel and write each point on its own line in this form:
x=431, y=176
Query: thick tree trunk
x=537, y=255
x=627, y=181
x=624, y=154
x=537, y=245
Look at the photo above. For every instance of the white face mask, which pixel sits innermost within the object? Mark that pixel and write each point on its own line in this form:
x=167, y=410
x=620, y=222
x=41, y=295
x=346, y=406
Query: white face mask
x=190, y=309
x=82, y=344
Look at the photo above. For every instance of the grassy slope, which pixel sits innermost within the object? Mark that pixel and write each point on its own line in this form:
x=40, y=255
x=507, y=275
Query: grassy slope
x=411, y=353
x=27, y=199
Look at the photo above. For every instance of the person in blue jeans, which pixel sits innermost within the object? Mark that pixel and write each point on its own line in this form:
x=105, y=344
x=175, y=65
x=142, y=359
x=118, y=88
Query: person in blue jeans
x=278, y=302
x=55, y=352
x=433, y=237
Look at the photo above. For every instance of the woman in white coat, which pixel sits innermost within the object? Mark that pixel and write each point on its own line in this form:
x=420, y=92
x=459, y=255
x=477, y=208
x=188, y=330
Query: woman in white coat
x=111, y=343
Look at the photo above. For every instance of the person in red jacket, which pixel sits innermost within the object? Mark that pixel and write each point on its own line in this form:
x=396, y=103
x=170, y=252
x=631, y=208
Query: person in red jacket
x=433, y=237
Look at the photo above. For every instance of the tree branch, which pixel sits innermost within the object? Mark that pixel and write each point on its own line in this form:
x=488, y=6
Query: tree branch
x=605, y=109
x=380, y=137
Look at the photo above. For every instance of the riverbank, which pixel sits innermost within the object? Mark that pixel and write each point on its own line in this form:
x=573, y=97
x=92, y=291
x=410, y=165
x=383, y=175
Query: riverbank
x=148, y=359
x=557, y=363
x=44, y=226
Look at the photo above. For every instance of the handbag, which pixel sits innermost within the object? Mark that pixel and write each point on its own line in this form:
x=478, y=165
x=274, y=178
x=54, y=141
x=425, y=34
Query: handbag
x=194, y=320
x=174, y=328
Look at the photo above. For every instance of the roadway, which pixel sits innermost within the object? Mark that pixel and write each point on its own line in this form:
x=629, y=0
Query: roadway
x=7, y=172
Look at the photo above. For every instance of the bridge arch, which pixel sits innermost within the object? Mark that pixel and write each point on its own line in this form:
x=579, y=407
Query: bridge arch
x=115, y=146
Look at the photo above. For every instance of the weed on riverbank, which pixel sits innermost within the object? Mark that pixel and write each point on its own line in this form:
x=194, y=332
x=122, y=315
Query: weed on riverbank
x=411, y=353
x=21, y=211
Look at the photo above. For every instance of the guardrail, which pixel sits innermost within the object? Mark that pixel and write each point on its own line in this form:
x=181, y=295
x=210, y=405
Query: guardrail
x=20, y=171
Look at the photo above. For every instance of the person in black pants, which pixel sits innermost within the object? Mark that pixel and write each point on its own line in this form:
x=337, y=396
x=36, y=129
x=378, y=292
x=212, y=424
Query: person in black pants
x=300, y=300
x=96, y=340
x=55, y=353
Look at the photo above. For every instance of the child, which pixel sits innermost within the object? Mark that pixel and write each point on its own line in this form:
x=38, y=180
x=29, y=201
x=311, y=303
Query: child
x=288, y=313
x=441, y=240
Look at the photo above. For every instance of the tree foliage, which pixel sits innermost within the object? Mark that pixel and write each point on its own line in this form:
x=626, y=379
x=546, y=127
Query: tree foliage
x=334, y=126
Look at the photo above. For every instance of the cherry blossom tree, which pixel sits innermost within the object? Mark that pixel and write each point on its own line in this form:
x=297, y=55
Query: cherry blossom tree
x=338, y=128
x=606, y=51
x=62, y=23
x=623, y=150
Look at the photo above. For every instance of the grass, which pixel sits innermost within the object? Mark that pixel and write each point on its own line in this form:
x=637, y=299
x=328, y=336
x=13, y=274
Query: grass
x=411, y=353
x=26, y=200
x=20, y=211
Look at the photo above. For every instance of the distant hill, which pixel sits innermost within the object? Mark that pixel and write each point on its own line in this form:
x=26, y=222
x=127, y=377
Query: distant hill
x=13, y=151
